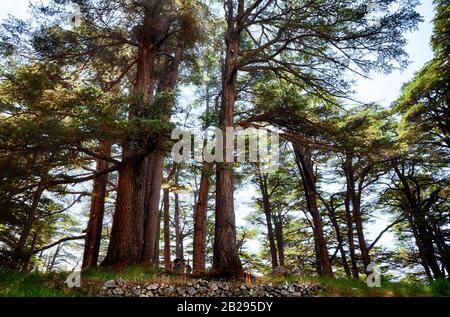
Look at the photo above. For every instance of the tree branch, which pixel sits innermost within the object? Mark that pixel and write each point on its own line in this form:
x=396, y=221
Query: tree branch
x=56, y=243
x=383, y=232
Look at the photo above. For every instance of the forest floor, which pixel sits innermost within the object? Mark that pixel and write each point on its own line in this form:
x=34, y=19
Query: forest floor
x=34, y=284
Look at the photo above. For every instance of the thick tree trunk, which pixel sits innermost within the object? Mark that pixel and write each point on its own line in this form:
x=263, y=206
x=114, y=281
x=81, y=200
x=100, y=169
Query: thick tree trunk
x=155, y=167
x=127, y=232
x=225, y=259
x=199, y=243
x=96, y=213
x=268, y=215
x=225, y=253
x=166, y=228
x=305, y=164
x=153, y=189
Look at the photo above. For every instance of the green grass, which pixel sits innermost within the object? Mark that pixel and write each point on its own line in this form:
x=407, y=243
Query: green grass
x=440, y=288
x=358, y=288
x=348, y=287
x=17, y=284
x=132, y=274
x=35, y=284
x=404, y=288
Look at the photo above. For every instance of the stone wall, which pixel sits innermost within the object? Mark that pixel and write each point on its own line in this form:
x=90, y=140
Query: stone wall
x=203, y=288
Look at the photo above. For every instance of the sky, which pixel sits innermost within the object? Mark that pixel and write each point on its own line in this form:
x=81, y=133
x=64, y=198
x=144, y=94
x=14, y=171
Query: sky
x=384, y=89
x=380, y=88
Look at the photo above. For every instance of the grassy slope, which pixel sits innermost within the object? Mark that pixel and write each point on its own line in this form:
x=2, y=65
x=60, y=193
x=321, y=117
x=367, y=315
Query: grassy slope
x=351, y=288
x=17, y=284
x=52, y=285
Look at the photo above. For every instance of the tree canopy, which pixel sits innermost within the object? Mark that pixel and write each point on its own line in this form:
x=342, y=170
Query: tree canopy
x=90, y=92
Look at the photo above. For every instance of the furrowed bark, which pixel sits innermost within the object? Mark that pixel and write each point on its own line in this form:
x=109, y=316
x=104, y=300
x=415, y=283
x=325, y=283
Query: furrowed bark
x=199, y=243
x=126, y=239
x=96, y=213
x=127, y=232
x=156, y=166
x=225, y=252
x=153, y=189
